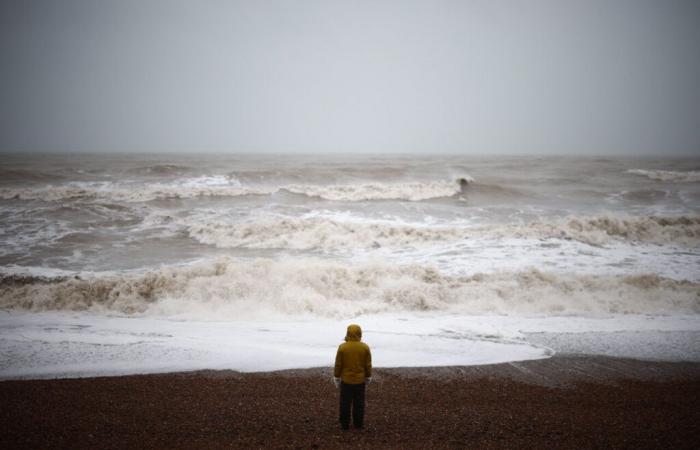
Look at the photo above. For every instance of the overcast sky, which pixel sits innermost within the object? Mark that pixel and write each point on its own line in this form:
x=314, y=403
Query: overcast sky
x=572, y=77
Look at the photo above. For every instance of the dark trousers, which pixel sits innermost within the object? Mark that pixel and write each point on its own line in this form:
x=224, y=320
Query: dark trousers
x=352, y=396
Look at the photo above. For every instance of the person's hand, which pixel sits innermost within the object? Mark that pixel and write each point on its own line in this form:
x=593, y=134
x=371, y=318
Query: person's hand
x=336, y=381
x=368, y=380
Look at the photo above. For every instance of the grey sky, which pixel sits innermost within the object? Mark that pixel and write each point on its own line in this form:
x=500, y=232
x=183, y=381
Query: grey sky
x=581, y=77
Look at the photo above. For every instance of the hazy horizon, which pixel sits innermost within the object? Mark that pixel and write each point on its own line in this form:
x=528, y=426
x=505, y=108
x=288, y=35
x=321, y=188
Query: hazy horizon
x=474, y=78
x=365, y=155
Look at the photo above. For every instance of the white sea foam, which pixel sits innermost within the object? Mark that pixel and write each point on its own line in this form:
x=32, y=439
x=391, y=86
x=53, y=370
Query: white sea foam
x=325, y=233
x=73, y=344
x=220, y=186
x=187, y=188
x=668, y=175
x=235, y=288
x=312, y=233
x=60, y=344
x=599, y=230
x=381, y=191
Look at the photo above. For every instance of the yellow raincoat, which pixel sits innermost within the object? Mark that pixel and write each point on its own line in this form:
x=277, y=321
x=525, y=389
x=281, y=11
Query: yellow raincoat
x=353, y=362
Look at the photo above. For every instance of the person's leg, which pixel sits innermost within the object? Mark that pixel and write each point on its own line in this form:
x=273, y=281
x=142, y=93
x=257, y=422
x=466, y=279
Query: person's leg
x=345, y=400
x=358, y=406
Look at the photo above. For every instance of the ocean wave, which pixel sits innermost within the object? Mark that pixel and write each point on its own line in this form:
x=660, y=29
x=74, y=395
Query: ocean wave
x=645, y=195
x=142, y=193
x=160, y=170
x=27, y=176
x=218, y=186
x=313, y=233
x=491, y=191
x=683, y=230
x=324, y=233
x=382, y=191
x=227, y=288
x=668, y=175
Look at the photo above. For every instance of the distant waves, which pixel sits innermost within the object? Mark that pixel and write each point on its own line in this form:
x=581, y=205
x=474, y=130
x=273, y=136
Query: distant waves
x=669, y=175
x=227, y=187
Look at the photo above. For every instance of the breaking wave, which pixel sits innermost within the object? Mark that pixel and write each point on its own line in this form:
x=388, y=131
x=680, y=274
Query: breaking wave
x=683, y=230
x=668, y=175
x=227, y=288
x=109, y=192
x=219, y=186
x=323, y=233
x=160, y=170
x=381, y=191
x=308, y=234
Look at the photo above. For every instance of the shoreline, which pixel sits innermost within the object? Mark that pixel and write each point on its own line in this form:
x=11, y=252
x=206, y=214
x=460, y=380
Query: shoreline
x=561, y=402
x=558, y=370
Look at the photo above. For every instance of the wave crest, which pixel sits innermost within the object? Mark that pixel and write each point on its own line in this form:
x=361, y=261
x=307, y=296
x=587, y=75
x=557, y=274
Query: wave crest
x=228, y=288
x=668, y=175
x=380, y=191
x=220, y=187
x=308, y=234
x=124, y=194
x=654, y=229
x=321, y=233
x=160, y=170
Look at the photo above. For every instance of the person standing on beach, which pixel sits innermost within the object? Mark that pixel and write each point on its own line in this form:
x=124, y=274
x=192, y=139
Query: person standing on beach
x=353, y=370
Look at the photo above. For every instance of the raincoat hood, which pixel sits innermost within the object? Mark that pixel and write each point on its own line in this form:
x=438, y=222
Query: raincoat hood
x=354, y=333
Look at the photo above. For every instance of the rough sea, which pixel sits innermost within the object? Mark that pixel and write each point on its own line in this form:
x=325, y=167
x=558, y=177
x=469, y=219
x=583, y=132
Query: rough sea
x=129, y=263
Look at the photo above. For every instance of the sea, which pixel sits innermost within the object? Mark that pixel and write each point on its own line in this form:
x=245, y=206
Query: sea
x=129, y=263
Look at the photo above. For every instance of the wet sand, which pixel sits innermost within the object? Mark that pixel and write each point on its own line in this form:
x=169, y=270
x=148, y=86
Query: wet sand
x=562, y=402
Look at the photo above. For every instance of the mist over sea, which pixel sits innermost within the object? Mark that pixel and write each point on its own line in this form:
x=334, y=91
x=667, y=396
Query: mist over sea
x=103, y=256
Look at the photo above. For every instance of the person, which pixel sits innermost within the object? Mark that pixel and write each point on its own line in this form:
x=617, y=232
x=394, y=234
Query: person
x=352, y=371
